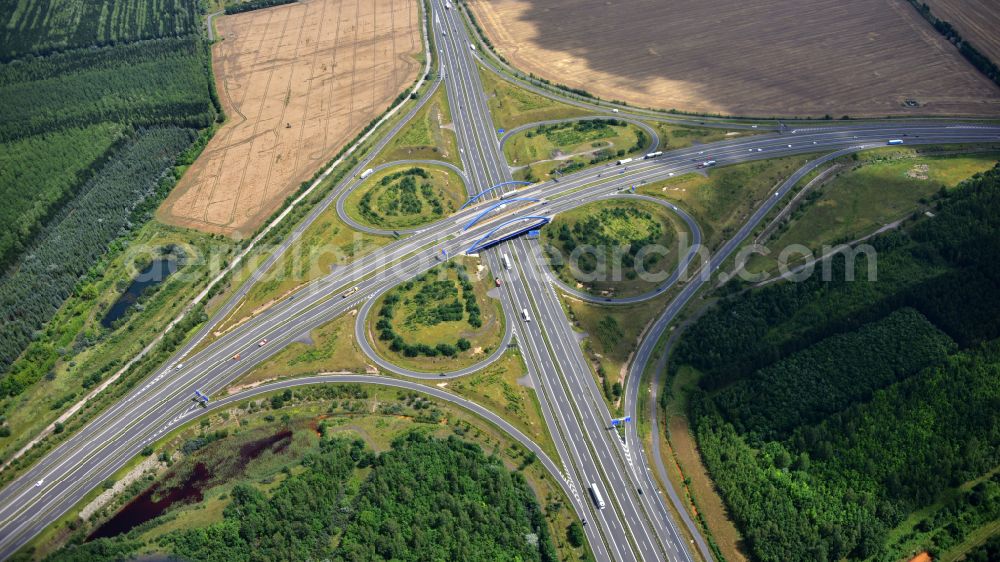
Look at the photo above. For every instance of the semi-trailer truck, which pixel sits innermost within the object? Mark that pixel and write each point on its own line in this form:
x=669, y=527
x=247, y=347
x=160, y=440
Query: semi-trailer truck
x=895, y=141
x=367, y=173
x=653, y=154
x=707, y=164
x=623, y=161
x=506, y=261
x=595, y=494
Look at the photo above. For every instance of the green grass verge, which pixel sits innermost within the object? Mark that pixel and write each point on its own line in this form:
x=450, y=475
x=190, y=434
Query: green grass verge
x=512, y=106
x=723, y=198
x=428, y=136
x=673, y=136
x=552, y=150
x=879, y=188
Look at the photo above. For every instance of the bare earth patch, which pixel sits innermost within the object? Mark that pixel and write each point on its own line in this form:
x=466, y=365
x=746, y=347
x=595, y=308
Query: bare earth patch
x=767, y=57
x=297, y=83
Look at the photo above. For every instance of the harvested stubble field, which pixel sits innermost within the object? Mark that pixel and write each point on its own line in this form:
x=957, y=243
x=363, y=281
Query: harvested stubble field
x=298, y=82
x=977, y=20
x=768, y=57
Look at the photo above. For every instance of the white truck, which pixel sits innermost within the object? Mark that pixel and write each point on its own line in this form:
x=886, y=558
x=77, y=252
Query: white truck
x=506, y=261
x=596, y=495
x=623, y=161
x=447, y=5
x=366, y=173
x=895, y=141
x=652, y=155
x=524, y=314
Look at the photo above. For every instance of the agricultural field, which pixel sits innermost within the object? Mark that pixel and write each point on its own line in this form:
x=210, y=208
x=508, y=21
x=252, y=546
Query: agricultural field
x=562, y=148
x=298, y=82
x=406, y=197
x=428, y=136
x=771, y=58
x=43, y=26
x=440, y=321
x=342, y=444
x=976, y=20
x=582, y=245
x=884, y=187
x=512, y=106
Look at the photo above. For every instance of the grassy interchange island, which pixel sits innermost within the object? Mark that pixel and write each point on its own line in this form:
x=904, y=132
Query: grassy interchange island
x=406, y=196
x=578, y=241
x=439, y=321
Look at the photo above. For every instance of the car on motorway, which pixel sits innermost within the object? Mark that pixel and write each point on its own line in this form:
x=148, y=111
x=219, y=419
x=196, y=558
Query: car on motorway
x=262, y=342
x=499, y=282
x=236, y=357
x=39, y=483
x=178, y=366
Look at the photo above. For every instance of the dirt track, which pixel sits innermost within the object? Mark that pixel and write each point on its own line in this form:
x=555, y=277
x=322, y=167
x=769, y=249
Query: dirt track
x=297, y=82
x=767, y=57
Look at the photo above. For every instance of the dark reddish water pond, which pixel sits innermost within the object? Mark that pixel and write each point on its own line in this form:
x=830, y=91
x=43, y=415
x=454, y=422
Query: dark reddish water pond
x=154, y=502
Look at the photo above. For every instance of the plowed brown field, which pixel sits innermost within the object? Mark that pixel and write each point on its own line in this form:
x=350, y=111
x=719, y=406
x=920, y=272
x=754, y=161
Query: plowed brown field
x=977, y=20
x=765, y=57
x=297, y=82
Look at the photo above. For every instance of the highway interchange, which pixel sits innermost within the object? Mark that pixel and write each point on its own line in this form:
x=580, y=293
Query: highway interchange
x=637, y=523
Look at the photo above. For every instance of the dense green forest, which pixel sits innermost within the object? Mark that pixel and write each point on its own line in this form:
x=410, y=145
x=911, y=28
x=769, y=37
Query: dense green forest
x=42, y=26
x=159, y=81
x=106, y=207
x=54, y=165
x=830, y=411
x=834, y=373
x=424, y=499
x=249, y=5
x=97, y=100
